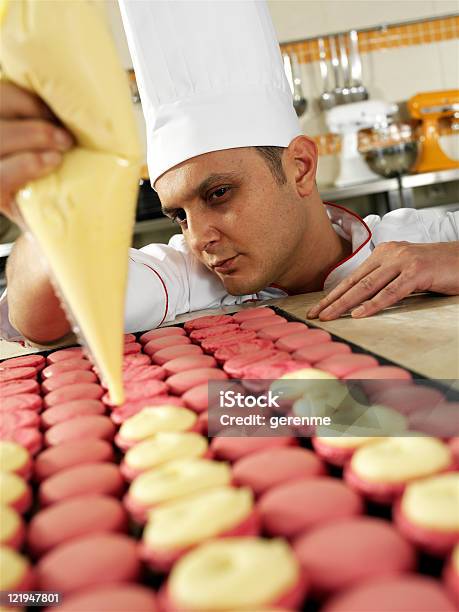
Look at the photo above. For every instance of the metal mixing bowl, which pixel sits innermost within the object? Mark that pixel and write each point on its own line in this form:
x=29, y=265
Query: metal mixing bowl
x=390, y=150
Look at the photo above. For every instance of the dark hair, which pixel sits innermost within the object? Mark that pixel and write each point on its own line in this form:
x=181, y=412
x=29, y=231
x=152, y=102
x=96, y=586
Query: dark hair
x=273, y=157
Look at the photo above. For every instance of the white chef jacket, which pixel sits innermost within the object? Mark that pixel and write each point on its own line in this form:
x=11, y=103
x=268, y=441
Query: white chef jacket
x=168, y=280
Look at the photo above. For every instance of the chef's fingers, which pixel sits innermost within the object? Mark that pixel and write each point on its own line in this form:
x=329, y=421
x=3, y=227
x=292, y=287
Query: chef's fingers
x=402, y=286
x=32, y=135
x=16, y=103
x=17, y=170
x=365, y=288
x=371, y=264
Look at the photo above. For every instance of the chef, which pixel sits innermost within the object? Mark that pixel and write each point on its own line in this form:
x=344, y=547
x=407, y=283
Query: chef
x=231, y=167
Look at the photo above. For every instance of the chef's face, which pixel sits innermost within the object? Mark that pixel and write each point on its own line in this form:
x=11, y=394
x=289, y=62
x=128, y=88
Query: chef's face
x=236, y=218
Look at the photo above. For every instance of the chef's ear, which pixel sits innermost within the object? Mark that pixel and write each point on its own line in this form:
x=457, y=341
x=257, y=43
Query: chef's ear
x=300, y=160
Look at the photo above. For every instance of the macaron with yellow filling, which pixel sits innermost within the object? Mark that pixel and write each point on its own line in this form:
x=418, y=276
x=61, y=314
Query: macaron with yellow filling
x=176, y=527
x=159, y=449
x=428, y=513
x=14, y=492
x=11, y=527
x=172, y=481
x=15, y=571
x=245, y=573
x=381, y=470
x=151, y=421
x=15, y=458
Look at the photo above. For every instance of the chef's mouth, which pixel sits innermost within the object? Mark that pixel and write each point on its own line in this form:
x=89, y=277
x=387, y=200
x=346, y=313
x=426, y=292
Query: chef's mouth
x=225, y=265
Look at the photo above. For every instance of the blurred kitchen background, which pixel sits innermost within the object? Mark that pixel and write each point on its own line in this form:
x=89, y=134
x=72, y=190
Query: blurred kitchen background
x=376, y=85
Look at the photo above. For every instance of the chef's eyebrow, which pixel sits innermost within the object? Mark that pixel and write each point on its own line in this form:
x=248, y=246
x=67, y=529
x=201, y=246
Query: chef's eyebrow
x=211, y=181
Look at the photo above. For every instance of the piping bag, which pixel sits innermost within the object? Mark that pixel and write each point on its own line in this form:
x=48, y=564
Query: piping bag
x=81, y=216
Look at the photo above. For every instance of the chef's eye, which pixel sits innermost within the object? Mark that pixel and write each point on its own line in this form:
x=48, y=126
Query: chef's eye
x=219, y=193
x=179, y=216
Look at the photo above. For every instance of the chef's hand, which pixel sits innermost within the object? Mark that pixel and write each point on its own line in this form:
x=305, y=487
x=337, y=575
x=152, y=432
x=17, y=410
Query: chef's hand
x=31, y=143
x=393, y=271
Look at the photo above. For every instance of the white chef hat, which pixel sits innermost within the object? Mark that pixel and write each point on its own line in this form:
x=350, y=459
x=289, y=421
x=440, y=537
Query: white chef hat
x=210, y=77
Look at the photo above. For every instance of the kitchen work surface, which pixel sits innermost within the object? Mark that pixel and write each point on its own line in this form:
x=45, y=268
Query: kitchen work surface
x=422, y=334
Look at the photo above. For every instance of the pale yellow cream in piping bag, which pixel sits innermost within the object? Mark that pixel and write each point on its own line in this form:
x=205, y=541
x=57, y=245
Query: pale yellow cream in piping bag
x=81, y=215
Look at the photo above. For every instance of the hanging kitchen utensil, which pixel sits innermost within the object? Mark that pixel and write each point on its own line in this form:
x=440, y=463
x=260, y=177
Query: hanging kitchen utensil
x=327, y=98
x=292, y=72
x=336, y=70
x=344, y=63
x=358, y=90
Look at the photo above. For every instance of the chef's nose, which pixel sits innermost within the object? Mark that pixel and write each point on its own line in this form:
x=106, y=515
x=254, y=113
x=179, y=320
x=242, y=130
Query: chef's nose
x=202, y=232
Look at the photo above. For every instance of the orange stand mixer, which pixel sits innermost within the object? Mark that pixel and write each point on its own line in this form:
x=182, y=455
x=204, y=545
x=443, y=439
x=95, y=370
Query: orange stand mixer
x=431, y=107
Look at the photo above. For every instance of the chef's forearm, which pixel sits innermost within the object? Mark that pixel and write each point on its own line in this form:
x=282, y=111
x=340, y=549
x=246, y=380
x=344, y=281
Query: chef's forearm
x=34, y=309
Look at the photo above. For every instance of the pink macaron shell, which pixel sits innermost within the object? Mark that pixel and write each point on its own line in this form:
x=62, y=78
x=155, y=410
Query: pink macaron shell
x=144, y=372
x=74, y=518
x=267, y=469
x=163, y=560
x=161, y=332
x=211, y=345
x=157, y=344
x=80, y=428
x=17, y=387
x=173, y=352
x=197, y=398
x=132, y=348
x=135, y=360
x=12, y=374
x=408, y=398
x=229, y=351
x=343, y=553
x=73, y=392
x=90, y=478
x=343, y=365
x=253, y=313
x=89, y=561
x=69, y=365
x=182, y=382
x=73, y=352
x=22, y=418
x=454, y=446
x=435, y=542
x=112, y=597
x=281, y=330
x=139, y=391
x=256, y=324
x=70, y=410
x=71, y=454
x=334, y=455
x=189, y=362
x=28, y=437
x=68, y=378
x=379, y=378
x=236, y=366
x=318, y=352
x=23, y=401
x=233, y=448
x=308, y=337
x=451, y=581
x=207, y=321
x=291, y=509
x=440, y=421
x=272, y=370
x=198, y=335
x=33, y=361
x=405, y=593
